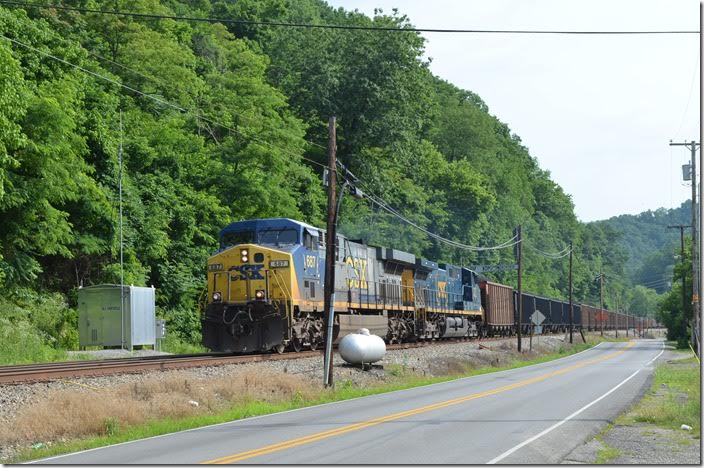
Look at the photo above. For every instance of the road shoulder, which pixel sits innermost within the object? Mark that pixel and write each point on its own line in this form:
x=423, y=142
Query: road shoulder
x=649, y=432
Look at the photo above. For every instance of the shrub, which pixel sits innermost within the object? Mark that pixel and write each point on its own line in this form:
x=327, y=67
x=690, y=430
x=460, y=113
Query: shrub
x=47, y=312
x=173, y=344
x=21, y=343
x=184, y=324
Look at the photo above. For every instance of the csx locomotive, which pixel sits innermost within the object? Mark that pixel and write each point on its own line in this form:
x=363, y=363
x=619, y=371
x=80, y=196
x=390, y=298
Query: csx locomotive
x=265, y=292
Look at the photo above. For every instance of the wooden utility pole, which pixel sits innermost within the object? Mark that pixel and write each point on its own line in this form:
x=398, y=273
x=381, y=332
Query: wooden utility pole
x=692, y=146
x=617, y=317
x=571, y=305
x=519, y=254
x=601, y=300
x=331, y=239
x=682, y=227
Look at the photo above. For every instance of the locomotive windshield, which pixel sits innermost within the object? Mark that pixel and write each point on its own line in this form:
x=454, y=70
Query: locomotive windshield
x=278, y=236
x=236, y=238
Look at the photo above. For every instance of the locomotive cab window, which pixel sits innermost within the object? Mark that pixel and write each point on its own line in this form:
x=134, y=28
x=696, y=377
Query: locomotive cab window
x=278, y=236
x=310, y=242
x=236, y=238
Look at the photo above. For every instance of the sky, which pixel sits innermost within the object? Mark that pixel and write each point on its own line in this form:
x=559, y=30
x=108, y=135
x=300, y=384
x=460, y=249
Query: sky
x=598, y=112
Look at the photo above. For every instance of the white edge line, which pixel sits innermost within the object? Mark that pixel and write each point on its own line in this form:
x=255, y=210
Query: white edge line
x=583, y=408
x=304, y=408
x=653, y=360
x=556, y=425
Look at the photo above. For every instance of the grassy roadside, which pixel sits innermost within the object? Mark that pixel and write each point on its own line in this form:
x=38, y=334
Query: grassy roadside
x=112, y=432
x=674, y=398
x=650, y=432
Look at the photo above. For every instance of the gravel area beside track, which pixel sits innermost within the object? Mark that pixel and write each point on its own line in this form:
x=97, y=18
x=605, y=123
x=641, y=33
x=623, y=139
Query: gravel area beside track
x=113, y=353
x=436, y=359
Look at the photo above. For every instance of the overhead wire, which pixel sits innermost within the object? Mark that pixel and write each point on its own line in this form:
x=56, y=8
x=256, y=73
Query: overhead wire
x=164, y=102
x=375, y=199
x=381, y=203
x=552, y=255
x=689, y=98
x=161, y=82
x=287, y=24
x=654, y=284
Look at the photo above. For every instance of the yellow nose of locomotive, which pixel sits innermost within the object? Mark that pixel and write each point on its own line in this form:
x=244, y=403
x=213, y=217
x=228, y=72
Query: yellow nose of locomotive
x=248, y=273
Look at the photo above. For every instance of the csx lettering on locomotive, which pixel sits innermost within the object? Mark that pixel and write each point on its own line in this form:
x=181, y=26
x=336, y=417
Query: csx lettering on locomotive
x=247, y=272
x=358, y=266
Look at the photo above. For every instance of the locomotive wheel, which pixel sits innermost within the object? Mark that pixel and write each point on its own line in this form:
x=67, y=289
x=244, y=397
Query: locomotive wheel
x=313, y=345
x=296, y=345
x=280, y=348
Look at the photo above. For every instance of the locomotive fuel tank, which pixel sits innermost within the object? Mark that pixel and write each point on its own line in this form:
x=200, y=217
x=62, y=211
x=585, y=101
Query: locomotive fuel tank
x=455, y=327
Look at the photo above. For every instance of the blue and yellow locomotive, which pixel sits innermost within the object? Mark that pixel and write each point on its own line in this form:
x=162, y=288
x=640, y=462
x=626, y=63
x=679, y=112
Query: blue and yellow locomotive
x=265, y=291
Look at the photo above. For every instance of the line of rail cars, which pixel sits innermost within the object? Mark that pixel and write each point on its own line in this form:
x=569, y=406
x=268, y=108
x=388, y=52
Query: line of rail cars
x=265, y=292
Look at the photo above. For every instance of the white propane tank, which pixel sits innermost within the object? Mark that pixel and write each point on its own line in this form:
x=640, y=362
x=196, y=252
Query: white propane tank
x=361, y=347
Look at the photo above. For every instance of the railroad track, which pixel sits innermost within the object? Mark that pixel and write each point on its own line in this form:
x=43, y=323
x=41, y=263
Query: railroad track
x=30, y=373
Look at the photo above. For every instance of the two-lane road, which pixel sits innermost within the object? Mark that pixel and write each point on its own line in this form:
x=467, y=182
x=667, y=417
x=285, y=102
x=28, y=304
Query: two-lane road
x=535, y=414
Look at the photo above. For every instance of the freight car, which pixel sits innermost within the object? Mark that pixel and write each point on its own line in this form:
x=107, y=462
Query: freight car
x=265, y=291
x=499, y=309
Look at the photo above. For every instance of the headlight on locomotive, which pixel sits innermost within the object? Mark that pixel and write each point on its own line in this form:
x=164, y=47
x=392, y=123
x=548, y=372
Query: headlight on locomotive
x=259, y=294
x=244, y=255
x=217, y=296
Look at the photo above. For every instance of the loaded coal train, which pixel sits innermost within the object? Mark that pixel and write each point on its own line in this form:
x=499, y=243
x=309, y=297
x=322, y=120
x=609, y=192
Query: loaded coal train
x=265, y=292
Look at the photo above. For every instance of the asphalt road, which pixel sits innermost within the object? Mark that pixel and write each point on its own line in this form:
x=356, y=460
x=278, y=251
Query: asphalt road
x=535, y=414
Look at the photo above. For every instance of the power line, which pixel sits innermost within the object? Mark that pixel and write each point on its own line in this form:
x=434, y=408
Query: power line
x=381, y=203
x=659, y=280
x=662, y=274
x=552, y=255
x=689, y=98
x=159, y=100
x=337, y=26
x=162, y=83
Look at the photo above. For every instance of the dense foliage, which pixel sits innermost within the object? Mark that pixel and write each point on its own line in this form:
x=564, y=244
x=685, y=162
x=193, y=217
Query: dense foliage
x=675, y=310
x=650, y=244
x=225, y=122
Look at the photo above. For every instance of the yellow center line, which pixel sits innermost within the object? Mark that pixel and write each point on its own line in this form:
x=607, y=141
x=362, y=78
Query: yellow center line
x=404, y=414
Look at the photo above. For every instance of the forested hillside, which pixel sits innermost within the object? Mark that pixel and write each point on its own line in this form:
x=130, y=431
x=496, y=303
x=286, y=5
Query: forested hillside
x=223, y=122
x=650, y=244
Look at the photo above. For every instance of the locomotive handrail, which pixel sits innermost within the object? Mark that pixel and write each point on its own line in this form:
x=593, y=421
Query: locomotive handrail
x=398, y=296
x=287, y=295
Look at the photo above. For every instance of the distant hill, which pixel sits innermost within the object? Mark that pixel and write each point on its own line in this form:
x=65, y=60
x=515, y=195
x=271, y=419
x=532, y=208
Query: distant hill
x=651, y=246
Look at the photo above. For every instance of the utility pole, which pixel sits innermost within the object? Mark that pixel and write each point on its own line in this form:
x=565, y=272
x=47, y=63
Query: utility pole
x=571, y=305
x=682, y=227
x=601, y=300
x=697, y=315
x=692, y=146
x=519, y=254
x=331, y=240
x=122, y=267
x=617, y=316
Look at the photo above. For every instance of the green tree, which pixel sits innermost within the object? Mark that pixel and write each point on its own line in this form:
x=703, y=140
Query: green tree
x=671, y=312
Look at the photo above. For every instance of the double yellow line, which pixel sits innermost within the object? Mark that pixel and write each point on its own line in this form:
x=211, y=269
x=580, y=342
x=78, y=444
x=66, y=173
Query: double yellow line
x=403, y=414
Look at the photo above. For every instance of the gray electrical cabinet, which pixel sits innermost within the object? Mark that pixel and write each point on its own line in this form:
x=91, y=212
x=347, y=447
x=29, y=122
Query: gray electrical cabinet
x=104, y=321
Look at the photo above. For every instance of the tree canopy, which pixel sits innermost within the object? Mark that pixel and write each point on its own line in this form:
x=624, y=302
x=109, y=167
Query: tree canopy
x=223, y=122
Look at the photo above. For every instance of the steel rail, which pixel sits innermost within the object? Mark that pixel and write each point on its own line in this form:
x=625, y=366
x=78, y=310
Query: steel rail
x=43, y=372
